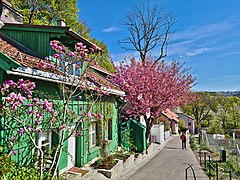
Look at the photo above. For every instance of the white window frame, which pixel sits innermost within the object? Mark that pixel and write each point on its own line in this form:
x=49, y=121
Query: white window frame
x=106, y=131
x=71, y=69
x=92, y=134
x=45, y=136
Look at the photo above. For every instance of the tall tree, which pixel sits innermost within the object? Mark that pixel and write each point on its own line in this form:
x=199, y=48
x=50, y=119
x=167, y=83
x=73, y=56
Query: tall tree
x=234, y=107
x=47, y=12
x=150, y=28
x=223, y=110
x=153, y=87
x=200, y=106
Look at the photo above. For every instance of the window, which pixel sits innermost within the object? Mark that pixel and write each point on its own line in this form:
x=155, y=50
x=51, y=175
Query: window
x=92, y=134
x=45, y=140
x=68, y=67
x=106, y=128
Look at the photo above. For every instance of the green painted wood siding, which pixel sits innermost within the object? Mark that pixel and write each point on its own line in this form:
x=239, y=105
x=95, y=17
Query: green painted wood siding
x=23, y=147
x=34, y=40
x=1, y=76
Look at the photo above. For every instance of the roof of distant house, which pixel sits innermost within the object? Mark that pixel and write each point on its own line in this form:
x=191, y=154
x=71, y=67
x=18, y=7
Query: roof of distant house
x=171, y=115
x=178, y=111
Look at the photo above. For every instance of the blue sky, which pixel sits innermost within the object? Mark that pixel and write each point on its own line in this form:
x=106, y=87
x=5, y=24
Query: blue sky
x=206, y=38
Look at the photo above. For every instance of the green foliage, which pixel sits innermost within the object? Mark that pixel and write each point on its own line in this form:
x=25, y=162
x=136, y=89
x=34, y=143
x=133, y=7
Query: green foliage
x=105, y=163
x=203, y=146
x=120, y=155
x=181, y=123
x=193, y=146
x=5, y=164
x=10, y=170
x=104, y=59
x=211, y=172
x=200, y=107
x=166, y=128
x=47, y=12
x=183, y=129
x=182, y=126
x=237, y=172
x=127, y=144
x=24, y=173
x=229, y=165
x=214, y=128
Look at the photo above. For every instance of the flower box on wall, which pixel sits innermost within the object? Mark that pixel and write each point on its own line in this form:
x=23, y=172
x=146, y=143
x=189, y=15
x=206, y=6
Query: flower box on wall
x=138, y=158
x=129, y=161
x=114, y=171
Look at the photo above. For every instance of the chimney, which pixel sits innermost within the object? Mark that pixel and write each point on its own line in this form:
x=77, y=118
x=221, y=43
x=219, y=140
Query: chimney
x=8, y=14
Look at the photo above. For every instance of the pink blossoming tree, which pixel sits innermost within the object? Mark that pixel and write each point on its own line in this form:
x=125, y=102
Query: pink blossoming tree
x=33, y=114
x=152, y=88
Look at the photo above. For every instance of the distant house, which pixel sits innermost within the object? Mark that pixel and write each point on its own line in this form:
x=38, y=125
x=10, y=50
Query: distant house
x=170, y=119
x=22, y=47
x=188, y=120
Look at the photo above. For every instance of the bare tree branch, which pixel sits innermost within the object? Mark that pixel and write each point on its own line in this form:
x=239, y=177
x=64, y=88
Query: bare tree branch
x=149, y=27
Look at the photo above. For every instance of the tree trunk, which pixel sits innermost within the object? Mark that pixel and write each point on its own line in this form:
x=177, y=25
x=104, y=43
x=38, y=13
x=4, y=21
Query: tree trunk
x=148, y=130
x=149, y=124
x=59, y=152
x=198, y=131
x=41, y=164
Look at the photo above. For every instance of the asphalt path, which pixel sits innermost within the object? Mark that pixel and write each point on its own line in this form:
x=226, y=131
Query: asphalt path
x=170, y=164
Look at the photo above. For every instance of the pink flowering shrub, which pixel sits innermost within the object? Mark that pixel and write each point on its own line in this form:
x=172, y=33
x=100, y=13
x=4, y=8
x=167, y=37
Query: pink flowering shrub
x=65, y=58
x=28, y=114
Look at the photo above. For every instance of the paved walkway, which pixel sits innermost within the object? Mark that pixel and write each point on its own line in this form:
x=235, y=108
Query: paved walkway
x=170, y=164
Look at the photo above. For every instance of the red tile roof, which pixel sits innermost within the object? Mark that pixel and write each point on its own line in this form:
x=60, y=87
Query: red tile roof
x=171, y=115
x=20, y=56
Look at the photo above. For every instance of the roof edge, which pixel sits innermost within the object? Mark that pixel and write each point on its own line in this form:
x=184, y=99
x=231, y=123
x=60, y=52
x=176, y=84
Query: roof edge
x=7, y=63
x=34, y=73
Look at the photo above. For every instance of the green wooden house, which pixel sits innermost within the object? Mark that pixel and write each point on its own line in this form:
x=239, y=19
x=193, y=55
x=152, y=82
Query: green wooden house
x=21, y=48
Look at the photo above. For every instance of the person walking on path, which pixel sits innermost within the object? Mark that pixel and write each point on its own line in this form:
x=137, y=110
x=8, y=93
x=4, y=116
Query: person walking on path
x=184, y=140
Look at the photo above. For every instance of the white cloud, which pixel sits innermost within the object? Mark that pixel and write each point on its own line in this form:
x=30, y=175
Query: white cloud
x=110, y=29
x=199, y=32
x=187, y=42
x=232, y=53
x=197, y=51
